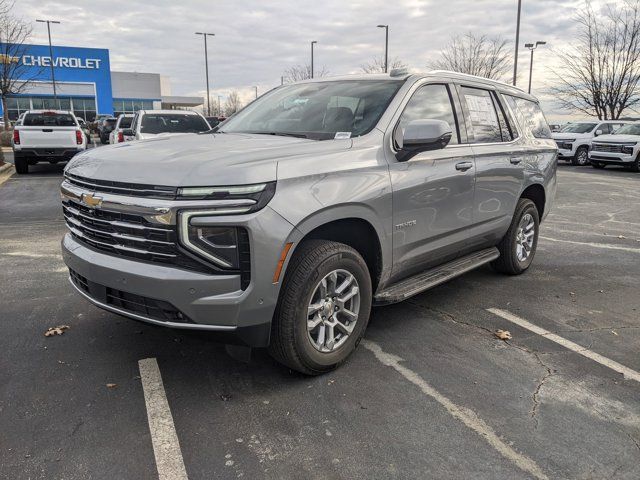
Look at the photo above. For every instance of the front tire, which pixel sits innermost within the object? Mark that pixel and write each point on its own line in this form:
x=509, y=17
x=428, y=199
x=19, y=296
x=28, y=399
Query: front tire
x=518, y=246
x=581, y=158
x=635, y=166
x=21, y=164
x=323, y=308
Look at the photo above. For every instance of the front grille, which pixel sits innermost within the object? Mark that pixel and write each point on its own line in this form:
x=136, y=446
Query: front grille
x=129, y=302
x=132, y=236
x=123, y=188
x=128, y=236
x=606, y=147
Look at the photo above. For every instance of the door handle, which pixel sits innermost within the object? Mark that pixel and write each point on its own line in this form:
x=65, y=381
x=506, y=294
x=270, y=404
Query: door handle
x=515, y=160
x=464, y=166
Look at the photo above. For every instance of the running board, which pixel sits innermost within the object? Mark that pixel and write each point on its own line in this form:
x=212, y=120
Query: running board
x=425, y=280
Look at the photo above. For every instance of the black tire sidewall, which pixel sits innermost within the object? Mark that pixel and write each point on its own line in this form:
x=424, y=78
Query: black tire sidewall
x=530, y=208
x=313, y=358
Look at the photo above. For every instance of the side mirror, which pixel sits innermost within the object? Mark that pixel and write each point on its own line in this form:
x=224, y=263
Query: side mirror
x=128, y=132
x=598, y=132
x=423, y=135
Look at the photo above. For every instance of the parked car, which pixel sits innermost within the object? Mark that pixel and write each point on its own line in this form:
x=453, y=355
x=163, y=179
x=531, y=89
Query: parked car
x=621, y=148
x=85, y=129
x=93, y=125
x=215, y=121
x=151, y=123
x=46, y=136
x=117, y=134
x=310, y=205
x=575, y=138
x=105, y=127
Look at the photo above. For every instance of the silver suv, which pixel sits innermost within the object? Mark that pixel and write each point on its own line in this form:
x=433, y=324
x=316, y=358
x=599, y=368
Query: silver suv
x=320, y=199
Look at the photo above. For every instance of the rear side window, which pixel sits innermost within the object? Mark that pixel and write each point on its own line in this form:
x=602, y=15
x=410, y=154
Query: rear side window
x=530, y=116
x=431, y=102
x=49, y=119
x=485, y=125
x=125, y=122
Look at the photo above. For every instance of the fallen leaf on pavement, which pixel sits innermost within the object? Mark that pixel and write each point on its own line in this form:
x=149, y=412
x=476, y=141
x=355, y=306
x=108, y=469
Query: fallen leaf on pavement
x=112, y=385
x=59, y=330
x=614, y=332
x=503, y=334
x=621, y=236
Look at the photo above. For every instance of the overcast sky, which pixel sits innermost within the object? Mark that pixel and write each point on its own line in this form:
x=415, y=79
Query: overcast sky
x=257, y=40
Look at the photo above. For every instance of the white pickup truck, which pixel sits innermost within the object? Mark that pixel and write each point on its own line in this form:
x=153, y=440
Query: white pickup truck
x=46, y=136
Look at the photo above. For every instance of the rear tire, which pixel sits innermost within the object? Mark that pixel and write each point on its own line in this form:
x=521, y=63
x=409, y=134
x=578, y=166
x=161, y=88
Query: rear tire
x=294, y=342
x=21, y=164
x=515, y=256
x=581, y=158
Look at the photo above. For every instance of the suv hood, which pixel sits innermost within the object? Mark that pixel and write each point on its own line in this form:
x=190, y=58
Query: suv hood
x=617, y=139
x=197, y=160
x=566, y=136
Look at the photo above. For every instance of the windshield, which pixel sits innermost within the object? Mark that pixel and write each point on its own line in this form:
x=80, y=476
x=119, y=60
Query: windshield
x=125, y=122
x=578, y=127
x=49, y=119
x=631, y=129
x=173, y=123
x=320, y=110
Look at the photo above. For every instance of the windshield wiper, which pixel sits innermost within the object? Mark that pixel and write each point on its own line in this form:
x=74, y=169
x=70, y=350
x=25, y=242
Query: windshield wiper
x=282, y=134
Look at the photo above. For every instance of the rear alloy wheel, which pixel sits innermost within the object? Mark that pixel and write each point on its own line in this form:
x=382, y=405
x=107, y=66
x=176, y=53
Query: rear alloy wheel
x=323, y=308
x=518, y=246
x=581, y=158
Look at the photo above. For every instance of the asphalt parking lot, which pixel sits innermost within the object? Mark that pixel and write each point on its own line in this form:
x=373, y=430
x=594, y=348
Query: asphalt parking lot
x=432, y=393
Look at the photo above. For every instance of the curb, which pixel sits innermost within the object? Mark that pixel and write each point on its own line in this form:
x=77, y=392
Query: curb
x=5, y=167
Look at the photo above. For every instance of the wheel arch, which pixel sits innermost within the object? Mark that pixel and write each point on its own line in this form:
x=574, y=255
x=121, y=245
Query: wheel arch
x=356, y=226
x=536, y=193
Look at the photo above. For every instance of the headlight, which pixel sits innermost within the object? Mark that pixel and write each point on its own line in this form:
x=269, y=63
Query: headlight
x=218, y=244
x=627, y=149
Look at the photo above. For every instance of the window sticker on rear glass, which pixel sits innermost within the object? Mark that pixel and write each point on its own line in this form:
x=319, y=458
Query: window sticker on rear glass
x=342, y=135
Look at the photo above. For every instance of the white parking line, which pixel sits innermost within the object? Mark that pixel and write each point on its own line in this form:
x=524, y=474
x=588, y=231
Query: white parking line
x=595, y=245
x=166, y=447
x=585, y=352
x=465, y=415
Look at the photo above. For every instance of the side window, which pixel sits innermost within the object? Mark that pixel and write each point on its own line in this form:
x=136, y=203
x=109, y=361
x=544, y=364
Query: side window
x=605, y=128
x=506, y=128
x=431, y=102
x=615, y=126
x=530, y=116
x=485, y=126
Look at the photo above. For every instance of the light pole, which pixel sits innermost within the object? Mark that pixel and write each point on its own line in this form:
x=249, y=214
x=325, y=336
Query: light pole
x=515, y=58
x=532, y=47
x=206, y=66
x=312, y=44
x=53, y=76
x=220, y=105
x=386, y=47
x=256, y=87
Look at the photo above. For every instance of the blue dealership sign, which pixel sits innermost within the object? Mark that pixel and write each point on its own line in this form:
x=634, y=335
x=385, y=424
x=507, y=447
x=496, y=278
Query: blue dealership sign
x=71, y=65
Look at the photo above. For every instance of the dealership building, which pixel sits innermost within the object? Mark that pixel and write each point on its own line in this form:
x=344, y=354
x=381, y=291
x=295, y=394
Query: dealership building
x=86, y=85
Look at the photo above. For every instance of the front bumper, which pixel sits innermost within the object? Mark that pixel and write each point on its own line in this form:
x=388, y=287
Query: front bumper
x=564, y=153
x=208, y=301
x=611, y=158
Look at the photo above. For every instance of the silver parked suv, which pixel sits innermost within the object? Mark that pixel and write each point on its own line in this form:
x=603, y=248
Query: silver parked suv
x=320, y=199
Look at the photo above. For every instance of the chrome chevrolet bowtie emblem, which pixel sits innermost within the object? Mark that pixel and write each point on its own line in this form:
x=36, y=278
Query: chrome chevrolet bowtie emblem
x=90, y=200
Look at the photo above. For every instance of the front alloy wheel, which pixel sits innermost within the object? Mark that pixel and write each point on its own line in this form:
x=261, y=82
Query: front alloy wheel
x=323, y=308
x=333, y=310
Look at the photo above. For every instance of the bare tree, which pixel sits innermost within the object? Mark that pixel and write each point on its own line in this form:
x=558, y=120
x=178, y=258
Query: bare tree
x=15, y=77
x=376, y=65
x=600, y=74
x=233, y=104
x=302, y=72
x=482, y=56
